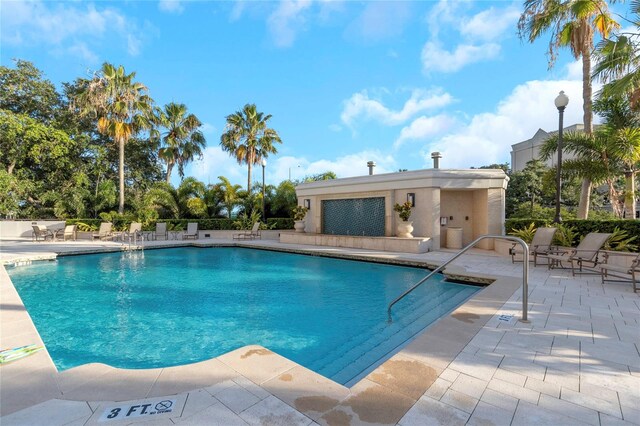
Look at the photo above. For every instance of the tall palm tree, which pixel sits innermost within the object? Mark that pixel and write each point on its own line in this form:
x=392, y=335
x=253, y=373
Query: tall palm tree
x=618, y=62
x=573, y=24
x=183, y=141
x=122, y=107
x=248, y=138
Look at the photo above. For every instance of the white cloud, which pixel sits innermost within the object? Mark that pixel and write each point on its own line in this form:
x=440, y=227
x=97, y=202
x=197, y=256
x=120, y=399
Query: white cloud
x=75, y=28
x=208, y=129
x=445, y=13
x=574, y=70
x=488, y=136
x=285, y=22
x=215, y=162
x=423, y=127
x=171, y=6
x=348, y=165
x=490, y=24
x=380, y=20
x=435, y=58
x=360, y=105
x=237, y=10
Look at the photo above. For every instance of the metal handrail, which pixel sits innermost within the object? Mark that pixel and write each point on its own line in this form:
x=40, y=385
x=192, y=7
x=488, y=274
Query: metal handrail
x=525, y=272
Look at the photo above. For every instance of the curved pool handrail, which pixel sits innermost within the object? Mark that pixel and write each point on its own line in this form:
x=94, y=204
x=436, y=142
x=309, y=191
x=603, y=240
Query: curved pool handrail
x=525, y=272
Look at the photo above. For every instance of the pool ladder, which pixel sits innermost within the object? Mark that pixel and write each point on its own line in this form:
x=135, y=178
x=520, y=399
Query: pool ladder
x=133, y=238
x=525, y=272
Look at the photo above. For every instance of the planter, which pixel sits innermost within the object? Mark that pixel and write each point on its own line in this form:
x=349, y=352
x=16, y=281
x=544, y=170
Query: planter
x=299, y=225
x=404, y=229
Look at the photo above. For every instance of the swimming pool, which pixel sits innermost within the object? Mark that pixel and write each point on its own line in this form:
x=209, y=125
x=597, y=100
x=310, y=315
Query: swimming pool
x=176, y=306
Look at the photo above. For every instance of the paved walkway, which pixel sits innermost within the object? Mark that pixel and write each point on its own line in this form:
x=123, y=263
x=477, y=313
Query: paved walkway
x=576, y=362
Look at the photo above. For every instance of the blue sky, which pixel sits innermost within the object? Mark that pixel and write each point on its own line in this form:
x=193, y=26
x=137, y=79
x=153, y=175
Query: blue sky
x=345, y=81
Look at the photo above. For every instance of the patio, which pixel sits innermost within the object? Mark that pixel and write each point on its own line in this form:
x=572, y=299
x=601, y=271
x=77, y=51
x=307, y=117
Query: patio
x=576, y=362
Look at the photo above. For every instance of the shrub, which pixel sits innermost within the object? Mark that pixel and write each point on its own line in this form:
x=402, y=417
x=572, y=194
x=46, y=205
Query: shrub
x=404, y=210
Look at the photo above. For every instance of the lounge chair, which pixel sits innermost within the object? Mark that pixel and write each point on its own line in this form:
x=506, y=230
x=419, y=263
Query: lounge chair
x=105, y=232
x=161, y=231
x=192, y=231
x=69, y=231
x=41, y=233
x=620, y=272
x=586, y=252
x=135, y=230
x=249, y=235
x=540, y=245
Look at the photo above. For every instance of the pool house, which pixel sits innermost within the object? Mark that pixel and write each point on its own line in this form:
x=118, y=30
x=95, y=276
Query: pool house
x=450, y=209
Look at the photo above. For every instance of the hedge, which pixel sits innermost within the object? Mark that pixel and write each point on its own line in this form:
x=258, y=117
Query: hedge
x=208, y=224
x=582, y=227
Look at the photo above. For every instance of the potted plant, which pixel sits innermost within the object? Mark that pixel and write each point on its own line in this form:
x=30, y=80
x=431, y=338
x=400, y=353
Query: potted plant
x=299, y=212
x=404, y=228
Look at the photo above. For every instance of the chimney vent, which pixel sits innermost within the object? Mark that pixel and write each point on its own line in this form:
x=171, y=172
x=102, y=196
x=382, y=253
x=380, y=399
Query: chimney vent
x=436, y=159
x=371, y=165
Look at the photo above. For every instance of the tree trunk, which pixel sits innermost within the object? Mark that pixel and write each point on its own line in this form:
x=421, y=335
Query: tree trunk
x=12, y=166
x=629, y=196
x=250, y=158
x=121, y=175
x=169, y=168
x=585, y=199
x=587, y=120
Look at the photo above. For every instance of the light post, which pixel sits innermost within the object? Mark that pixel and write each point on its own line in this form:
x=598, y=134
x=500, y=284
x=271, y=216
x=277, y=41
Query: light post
x=264, y=213
x=561, y=103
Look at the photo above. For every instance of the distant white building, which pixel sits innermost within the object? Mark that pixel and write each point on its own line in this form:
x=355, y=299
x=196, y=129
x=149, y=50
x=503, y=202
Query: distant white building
x=525, y=151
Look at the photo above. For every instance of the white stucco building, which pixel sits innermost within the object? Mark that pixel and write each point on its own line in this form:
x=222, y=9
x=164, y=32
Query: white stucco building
x=362, y=207
x=525, y=151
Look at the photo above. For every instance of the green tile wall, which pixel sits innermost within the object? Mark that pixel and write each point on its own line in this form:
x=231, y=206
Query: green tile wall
x=354, y=216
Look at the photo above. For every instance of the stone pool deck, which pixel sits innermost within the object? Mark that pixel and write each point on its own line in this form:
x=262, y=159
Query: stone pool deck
x=576, y=362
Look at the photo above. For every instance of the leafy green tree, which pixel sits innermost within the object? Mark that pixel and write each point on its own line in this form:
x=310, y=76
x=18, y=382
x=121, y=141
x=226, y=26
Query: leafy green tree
x=230, y=195
x=525, y=186
x=122, y=108
x=573, y=24
x=284, y=199
x=13, y=192
x=25, y=91
x=185, y=201
x=182, y=141
x=248, y=138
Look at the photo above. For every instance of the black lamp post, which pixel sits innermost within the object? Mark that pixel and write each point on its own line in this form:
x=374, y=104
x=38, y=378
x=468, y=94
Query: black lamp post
x=561, y=103
x=264, y=213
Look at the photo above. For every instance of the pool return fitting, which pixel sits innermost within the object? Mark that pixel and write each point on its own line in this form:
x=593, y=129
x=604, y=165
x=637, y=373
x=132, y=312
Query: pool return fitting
x=525, y=272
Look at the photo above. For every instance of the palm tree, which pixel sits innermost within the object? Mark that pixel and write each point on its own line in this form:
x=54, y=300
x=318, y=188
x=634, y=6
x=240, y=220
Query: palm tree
x=229, y=194
x=573, y=24
x=618, y=62
x=184, y=201
x=183, y=141
x=248, y=138
x=122, y=107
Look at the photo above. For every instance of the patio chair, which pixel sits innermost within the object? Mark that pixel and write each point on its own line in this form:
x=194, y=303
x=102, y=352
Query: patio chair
x=250, y=235
x=620, y=272
x=161, y=231
x=105, y=232
x=192, y=231
x=135, y=230
x=69, y=231
x=41, y=233
x=586, y=252
x=540, y=245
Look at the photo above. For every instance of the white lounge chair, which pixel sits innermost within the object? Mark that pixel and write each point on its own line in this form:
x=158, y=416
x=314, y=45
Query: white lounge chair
x=192, y=231
x=249, y=235
x=586, y=252
x=69, y=231
x=161, y=231
x=540, y=245
x=41, y=233
x=105, y=232
x=621, y=273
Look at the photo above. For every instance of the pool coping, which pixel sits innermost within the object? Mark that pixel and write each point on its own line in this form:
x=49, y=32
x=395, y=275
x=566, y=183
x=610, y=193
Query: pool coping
x=397, y=383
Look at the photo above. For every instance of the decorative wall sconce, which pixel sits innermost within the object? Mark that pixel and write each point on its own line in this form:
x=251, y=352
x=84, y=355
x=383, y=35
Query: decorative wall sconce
x=411, y=198
x=307, y=203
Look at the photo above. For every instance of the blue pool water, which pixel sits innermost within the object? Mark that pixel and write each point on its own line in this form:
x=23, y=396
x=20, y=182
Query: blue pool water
x=176, y=306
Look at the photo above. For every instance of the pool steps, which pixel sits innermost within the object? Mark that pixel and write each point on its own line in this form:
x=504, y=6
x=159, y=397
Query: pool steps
x=374, y=345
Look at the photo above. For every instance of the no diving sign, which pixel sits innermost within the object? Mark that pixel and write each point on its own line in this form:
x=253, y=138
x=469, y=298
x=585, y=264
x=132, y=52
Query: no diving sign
x=167, y=406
